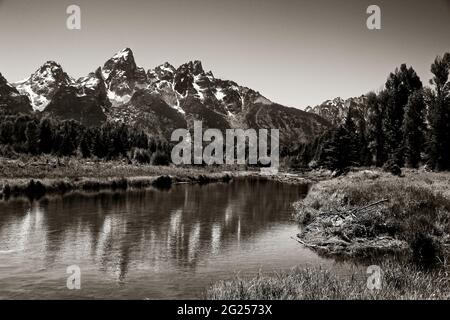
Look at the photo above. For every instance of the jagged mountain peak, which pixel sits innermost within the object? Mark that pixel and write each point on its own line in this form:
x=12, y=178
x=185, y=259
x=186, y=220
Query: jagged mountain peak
x=124, y=54
x=166, y=65
x=51, y=64
x=98, y=73
x=5, y=87
x=335, y=110
x=91, y=81
x=122, y=76
x=51, y=72
x=43, y=83
x=11, y=99
x=122, y=62
x=194, y=67
x=159, y=100
x=163, y=72
x=2, y=80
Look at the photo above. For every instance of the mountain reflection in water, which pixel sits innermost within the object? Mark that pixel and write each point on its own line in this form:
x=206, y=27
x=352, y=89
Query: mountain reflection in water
x=148, y=244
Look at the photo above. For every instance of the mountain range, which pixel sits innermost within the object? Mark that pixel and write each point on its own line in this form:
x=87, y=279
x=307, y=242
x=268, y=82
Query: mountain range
x=158, y=100
x=336, y=110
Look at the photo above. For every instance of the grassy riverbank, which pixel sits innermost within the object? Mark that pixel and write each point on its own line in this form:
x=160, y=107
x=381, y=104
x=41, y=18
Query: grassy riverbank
x=366, y=215
x=372, y=212
x=36, y=176
x=397, y=282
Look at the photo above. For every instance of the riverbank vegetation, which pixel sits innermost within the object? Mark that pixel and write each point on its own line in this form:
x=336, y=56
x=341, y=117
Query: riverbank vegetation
x=39, y=175
x=398, y=281
x=400, y=223
x=366, y=213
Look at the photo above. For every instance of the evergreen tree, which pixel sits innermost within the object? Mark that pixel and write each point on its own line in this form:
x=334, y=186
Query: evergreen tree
x=46, y=134
x=6, y=132
x=342, y=150
x=413, y=129
x=121, y=140
x=20, y=127
x=352, y=140
x=364, y=152
x=438, y=100
x=139, y=140
x=32, y=137
x=375, y=134
x=87, y=143
x=69, y=132
x=101, y=142
x=399, y=86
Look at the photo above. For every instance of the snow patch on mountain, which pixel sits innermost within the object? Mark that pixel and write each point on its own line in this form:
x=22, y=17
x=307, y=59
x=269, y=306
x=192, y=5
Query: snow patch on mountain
x=198, y=88
x=219, y=94
x=38, y=102
x=122, y=54
x=117, y=100
x=178, y=107
x=43, y=83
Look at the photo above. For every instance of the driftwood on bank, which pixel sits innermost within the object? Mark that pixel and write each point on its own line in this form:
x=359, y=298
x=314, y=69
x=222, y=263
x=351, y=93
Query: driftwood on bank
x=304, y=243
x=357, y=210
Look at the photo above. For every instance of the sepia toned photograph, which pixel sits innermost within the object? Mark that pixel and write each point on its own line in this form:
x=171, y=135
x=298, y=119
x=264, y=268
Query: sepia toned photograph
x=240, y=150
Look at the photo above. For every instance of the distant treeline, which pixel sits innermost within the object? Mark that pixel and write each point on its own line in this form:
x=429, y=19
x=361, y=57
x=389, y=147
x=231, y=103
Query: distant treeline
x=405, y=124
x=37, y=135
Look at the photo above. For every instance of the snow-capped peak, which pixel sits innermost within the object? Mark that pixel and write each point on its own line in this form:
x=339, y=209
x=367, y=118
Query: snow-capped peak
x=123, y=77
x=123, y=54
x=43, y=83
x=167, y=67
x=122, y=61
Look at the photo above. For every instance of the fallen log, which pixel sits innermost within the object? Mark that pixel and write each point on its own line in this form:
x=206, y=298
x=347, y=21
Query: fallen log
x=304, y=243
x=368, y=206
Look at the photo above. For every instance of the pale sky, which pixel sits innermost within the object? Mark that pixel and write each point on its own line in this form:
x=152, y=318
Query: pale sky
x=295, y=52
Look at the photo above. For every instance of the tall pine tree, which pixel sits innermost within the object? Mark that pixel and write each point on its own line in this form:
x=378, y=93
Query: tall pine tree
x=399, y=86
x=343, y=149
x=438, y=100
x=413, y=129
x=32, y=136
x=46, y=135
x=375, y=133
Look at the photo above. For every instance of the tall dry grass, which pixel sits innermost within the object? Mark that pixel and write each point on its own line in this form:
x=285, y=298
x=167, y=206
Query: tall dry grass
x=416, y=210
x=398, y=282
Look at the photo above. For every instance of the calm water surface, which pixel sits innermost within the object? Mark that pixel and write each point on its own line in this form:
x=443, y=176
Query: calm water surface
x=148, y=244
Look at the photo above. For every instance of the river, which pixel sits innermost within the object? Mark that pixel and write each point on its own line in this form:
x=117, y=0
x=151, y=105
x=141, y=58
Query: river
x=148, y=244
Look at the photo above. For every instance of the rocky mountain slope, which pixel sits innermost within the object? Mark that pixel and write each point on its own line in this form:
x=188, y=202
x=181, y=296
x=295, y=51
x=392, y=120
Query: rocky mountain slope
x=337, y=109
x=160, y=100
x=11, y=99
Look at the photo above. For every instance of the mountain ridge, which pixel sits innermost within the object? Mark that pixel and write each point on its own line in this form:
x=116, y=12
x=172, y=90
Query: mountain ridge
x=161, y=99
